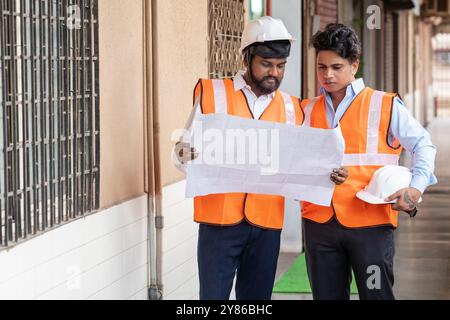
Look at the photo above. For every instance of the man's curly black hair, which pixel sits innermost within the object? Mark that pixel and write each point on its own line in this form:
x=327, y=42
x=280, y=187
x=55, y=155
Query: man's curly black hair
x=340, y=39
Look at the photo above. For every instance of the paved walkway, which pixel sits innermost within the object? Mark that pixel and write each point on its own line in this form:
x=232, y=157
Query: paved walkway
x=422, y=262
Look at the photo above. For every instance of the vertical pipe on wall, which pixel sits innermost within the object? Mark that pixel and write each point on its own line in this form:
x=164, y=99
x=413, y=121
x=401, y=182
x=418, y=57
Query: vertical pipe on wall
x=153, y=173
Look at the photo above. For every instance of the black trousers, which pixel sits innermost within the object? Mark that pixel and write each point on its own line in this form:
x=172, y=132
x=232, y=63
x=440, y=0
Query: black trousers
x=249, y=252
x=333, y=250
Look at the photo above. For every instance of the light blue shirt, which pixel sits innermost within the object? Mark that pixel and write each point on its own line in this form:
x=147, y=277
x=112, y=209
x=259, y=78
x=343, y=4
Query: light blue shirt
x=409, y=132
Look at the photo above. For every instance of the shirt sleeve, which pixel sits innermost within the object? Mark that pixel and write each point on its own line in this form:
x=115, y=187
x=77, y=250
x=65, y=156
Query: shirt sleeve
x=417, y=141
x=186, y=135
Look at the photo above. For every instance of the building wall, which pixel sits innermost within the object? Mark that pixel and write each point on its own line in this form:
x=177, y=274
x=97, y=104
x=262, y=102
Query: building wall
x=414, y=65
x=311, y=24
x=418, y=73
x=410, y=92
x=405, y=83
x=389, y=52
x=180, y=59
x=372, y=38
x=103, y=255
x=402, y=67
x=122, y=100
x=346, y=13
x=427, y=101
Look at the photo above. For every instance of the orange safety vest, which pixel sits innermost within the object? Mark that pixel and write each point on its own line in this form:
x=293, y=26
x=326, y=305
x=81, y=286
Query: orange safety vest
x=365, y=127
x=265, y=211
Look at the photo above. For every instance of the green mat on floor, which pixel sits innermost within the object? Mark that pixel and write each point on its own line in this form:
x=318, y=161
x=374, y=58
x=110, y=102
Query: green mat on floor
x=295, y=280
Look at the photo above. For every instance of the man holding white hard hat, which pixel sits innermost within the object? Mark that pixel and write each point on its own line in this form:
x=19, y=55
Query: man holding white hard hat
x=357, y=231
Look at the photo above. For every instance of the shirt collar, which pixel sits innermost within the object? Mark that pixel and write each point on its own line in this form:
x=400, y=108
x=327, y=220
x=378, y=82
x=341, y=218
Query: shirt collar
x=240, y=83
x=356, y=86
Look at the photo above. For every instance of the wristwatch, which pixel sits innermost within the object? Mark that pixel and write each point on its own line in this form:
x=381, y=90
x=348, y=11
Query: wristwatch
x=413, y=212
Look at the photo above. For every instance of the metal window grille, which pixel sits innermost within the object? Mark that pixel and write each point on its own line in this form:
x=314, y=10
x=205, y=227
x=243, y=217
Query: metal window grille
x=226, y=22
x=49, y=127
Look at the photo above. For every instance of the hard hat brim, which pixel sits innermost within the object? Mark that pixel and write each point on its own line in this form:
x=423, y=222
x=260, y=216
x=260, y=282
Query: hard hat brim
x=369, y=198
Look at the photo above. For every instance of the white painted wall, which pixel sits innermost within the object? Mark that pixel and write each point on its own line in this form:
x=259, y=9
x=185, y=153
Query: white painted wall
x=179, y=245
x=101, y=256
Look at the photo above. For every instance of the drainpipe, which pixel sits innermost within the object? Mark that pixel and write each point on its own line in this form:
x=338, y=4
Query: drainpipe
x=153, y=178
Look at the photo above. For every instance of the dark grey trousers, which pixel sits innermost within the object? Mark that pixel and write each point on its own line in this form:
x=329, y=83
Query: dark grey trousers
x=333, y=250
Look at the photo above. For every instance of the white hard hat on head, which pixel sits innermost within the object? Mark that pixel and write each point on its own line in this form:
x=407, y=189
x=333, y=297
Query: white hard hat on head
x=385, y=182
x=264, y=29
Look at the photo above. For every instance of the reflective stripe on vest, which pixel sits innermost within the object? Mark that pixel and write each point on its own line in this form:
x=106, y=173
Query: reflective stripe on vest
x=290, y=110
x=220, y=101
x=220, y=96
x=374, y=122
x=364, y=159
x=308, y=110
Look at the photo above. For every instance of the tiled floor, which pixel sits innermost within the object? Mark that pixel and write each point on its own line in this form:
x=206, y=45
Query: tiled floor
x=422, y=261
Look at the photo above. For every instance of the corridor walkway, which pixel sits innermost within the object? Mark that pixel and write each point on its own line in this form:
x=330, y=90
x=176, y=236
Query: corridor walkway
x=422, y=261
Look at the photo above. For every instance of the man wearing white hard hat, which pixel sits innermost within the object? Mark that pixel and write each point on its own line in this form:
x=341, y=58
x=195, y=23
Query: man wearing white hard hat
x=239, y=234
x=357, y=231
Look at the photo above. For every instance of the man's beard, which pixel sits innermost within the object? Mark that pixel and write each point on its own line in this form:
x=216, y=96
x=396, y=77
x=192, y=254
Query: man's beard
x=264, y=87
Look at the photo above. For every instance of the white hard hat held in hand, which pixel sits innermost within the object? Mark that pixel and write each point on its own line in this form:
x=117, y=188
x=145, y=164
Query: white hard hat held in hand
x=385, y=182
x=262, y=30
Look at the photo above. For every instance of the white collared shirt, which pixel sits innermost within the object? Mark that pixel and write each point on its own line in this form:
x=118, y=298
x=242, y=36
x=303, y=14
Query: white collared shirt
x=352, y=91
x=257, y=104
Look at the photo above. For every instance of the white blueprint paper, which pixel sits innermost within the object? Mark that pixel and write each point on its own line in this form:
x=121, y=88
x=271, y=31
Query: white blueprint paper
x=253, y=156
